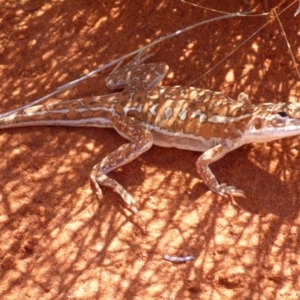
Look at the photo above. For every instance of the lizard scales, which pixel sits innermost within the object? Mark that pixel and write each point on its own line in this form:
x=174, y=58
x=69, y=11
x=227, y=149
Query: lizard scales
x=176, y=116
x=182, y=117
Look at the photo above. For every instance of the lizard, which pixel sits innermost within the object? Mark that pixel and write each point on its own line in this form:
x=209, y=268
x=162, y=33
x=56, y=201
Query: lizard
x=147, y=114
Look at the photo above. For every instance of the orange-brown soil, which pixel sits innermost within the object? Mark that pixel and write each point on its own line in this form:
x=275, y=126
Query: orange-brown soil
x=59, y=241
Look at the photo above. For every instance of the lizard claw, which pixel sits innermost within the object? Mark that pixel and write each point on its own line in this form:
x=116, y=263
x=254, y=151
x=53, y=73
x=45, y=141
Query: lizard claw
x=224, y=190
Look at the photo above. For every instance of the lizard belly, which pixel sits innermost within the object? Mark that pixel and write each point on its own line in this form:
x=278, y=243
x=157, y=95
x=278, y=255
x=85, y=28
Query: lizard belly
x=180, y=140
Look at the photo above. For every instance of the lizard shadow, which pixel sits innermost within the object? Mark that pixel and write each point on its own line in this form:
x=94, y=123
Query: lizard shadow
x=265, y=192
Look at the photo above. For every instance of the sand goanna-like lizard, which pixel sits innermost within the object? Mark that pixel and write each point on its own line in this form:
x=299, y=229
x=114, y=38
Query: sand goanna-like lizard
x=168, y=116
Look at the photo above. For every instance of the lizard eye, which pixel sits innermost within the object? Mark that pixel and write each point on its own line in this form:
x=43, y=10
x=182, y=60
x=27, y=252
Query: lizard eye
x=282, y=114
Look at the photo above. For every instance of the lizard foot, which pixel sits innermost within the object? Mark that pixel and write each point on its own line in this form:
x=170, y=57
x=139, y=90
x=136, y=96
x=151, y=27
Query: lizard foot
x=225, y=190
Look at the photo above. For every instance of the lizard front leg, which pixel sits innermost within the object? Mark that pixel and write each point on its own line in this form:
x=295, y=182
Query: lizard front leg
x=202, y=166
x=140, y=141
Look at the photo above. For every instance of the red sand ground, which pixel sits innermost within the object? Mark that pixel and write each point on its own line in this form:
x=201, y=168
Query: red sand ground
x=58, y=241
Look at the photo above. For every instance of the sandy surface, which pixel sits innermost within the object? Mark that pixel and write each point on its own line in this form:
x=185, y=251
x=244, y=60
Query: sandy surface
x=58, y=241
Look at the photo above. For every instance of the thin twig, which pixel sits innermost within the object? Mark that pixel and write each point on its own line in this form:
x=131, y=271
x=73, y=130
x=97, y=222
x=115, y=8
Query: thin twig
x=240, y=45
x=287, y=42
x=221, y=11
x=73, y=83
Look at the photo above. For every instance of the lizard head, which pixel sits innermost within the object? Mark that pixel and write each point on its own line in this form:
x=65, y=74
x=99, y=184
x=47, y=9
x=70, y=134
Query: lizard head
x=273, y=121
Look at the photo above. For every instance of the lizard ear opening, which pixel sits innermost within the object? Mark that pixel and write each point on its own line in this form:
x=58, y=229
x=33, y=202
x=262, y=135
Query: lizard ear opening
x=258, y=124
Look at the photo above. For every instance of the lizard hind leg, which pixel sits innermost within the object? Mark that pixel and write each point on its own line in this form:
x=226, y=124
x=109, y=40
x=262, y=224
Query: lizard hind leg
x=137, y=75
x=140, y=141
x=98, y=178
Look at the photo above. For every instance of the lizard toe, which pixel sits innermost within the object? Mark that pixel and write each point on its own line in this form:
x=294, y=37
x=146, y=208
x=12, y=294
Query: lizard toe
x=230, y=190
